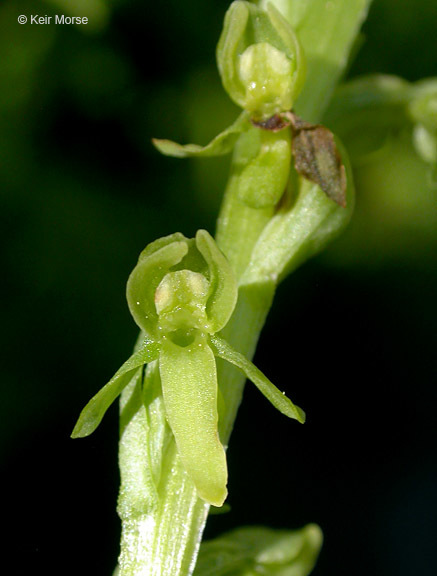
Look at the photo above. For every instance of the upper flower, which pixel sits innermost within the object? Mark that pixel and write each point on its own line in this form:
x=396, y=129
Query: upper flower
x=260, y=60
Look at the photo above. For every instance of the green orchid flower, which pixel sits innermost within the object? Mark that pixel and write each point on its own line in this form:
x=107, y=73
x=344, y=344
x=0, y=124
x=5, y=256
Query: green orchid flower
x=260, y=60
x=262, y=67
x=181, y=294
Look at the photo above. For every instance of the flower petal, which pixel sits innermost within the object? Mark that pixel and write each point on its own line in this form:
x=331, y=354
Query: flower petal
x=223, y=350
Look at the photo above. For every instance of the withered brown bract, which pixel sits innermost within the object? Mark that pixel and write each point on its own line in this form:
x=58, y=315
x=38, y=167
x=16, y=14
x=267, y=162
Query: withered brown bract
x=316, y=158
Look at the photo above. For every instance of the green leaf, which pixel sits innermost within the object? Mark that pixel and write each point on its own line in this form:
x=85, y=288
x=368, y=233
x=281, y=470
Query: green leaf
x=258, y=550
x=92, y=414
x=223, y=350
x=378, y=95
x=189, y=387
x=369, y=113
x=224, y=292
x=366, y=111
x=222, y=144
x=327, y=30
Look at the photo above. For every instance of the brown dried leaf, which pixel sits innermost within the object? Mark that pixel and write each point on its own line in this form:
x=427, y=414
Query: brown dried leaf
x=316, y=158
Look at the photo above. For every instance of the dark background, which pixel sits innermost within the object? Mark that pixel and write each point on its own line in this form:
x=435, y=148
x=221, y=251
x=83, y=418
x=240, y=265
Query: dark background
x=351, y=335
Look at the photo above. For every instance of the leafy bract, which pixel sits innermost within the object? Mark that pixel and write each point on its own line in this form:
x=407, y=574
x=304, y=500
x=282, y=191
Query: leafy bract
x=327, y=31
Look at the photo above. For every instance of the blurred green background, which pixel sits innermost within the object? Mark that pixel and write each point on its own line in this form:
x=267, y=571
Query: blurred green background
x=351, y=336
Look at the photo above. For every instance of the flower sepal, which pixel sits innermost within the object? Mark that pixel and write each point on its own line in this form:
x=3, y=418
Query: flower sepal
x=222, y=144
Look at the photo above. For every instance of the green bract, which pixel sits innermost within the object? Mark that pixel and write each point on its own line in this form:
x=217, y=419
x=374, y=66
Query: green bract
x=181, y=293
x=260, y=60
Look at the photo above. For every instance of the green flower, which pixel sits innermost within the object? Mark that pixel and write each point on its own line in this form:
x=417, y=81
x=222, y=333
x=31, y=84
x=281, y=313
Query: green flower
x=260, y=60
x=262, y=68
x=181, y=293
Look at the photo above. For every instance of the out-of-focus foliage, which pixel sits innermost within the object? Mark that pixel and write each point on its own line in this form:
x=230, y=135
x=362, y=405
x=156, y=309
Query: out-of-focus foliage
x=82, y=191
x=258, y=550
x=383, y=121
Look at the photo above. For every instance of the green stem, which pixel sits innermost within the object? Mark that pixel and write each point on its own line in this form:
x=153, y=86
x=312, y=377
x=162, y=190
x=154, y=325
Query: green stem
x=238, y=219
x=158, y=542
x=251, y=178
x=242, y=332
x=162, y=516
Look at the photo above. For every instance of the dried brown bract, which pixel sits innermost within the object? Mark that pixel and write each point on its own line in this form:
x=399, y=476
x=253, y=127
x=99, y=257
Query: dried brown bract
x=316, y=157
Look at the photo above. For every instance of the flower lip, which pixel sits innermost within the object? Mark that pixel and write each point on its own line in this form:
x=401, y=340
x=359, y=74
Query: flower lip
x=180, y=300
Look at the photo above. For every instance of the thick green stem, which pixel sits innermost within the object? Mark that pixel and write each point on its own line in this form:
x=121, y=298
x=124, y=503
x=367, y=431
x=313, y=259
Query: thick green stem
x=239, y=219
x=258, y=177
x=162, y=516
x=242, y=332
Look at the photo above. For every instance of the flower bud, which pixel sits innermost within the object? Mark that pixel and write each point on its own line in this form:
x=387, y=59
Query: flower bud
x=260, y=60
x=423, y=111
x=423, y=108
x=425, y=143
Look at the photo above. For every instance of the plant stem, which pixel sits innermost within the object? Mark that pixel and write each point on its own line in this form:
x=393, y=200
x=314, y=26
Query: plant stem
x=162, y=517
